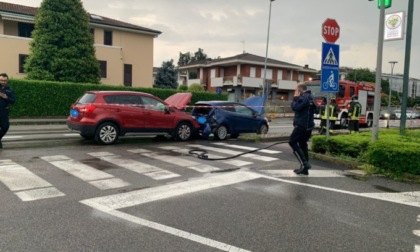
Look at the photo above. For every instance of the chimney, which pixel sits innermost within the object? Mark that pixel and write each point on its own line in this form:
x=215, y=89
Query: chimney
x=306, y=66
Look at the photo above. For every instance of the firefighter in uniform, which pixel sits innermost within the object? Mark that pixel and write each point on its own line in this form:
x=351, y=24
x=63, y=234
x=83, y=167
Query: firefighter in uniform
x=333, y=110
x=354, y=114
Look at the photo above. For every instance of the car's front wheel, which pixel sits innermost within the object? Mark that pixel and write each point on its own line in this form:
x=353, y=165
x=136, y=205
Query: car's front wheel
x=183, y=132
x=106, y=133
x=263, y=129
x=221, y=132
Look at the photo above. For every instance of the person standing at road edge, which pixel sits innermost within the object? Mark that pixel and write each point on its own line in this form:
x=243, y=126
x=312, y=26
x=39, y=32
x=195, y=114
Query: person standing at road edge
x=7, y=97
x=303, y=122
x=354, y=114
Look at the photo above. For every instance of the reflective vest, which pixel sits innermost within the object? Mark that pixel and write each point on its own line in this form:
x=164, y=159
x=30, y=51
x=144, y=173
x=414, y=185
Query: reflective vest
x=355, y=110
x=332, y=113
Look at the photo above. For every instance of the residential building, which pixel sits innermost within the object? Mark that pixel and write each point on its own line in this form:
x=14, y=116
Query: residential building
x=124, y=51
x=243, y=76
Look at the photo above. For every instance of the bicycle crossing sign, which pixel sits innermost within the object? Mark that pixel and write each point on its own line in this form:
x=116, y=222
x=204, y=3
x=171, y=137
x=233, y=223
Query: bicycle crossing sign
x=330, y=76
x=329, y=80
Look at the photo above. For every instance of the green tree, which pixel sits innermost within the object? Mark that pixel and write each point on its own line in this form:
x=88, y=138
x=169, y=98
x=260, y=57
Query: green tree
x=166, y=76
x=361, y=74
x=186, y=58
x=62, y=46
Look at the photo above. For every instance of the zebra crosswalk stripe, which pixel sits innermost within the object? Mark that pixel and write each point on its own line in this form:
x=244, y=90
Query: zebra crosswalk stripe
x=99, y=179
x=233, y=153
x=135, y=166
x=26, y=185
x=249, y=148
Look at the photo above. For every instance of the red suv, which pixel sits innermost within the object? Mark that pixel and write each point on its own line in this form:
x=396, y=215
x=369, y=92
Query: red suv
x=106, y=115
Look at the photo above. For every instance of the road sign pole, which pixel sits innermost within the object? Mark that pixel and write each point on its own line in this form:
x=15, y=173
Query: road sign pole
x=377, y=103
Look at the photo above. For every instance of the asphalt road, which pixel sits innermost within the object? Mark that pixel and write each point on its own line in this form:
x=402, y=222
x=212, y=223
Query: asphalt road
x=143, y=195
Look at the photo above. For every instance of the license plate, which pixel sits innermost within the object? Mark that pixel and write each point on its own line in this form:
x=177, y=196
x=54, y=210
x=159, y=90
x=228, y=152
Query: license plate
x=74, y=113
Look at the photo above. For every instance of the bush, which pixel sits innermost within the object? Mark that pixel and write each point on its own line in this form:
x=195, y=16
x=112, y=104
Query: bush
x=53, y=99
x=196, y=88
x=391, y=151
x=401, y=157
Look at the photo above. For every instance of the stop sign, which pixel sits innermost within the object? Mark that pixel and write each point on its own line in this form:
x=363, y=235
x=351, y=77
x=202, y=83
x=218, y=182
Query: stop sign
x=330, y=30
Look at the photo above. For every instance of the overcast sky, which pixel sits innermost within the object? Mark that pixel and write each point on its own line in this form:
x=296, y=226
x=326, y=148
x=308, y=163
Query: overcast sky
x=228, y=27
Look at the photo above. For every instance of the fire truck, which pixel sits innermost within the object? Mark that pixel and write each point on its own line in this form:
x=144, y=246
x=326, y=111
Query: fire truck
x=364, y=91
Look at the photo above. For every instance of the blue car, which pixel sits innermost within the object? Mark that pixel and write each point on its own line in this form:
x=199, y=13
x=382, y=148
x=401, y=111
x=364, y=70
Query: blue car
x=223, y=118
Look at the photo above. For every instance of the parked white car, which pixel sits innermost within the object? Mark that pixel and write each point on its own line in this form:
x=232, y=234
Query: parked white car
x=410, y=114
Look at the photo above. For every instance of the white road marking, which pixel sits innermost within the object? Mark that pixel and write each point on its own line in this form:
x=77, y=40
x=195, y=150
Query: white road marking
x=99, y=179
x=204, y=168
x=135, y=166
x=26, y=185
x=417, y=248
x=248, y=148
x=176, y=160
x=37, y=194
x=404, y=198
x=111, y=204
x=12, y=137
x=233, y=153
x=71, y=134
x=416, y=232
x=312, y=173
x=200, y=167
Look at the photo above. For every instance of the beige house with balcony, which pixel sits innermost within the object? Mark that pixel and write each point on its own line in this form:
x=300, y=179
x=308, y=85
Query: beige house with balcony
x=124, y=51
x=243, y=76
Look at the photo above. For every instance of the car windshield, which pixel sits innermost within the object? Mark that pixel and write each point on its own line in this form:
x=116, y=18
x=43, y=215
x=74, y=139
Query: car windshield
x=202, y=109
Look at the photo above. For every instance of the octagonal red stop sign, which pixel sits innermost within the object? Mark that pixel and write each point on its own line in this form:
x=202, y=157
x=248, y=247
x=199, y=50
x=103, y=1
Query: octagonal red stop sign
x=330, y=30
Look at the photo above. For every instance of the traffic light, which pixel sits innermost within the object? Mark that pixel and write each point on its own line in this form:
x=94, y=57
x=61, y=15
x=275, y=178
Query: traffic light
x=388, y=3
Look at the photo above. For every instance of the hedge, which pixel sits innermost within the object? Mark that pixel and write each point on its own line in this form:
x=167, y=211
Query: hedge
x=391, y=151
x=53, y=99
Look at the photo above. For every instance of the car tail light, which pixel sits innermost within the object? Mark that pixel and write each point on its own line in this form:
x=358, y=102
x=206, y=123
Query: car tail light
x=87, y=109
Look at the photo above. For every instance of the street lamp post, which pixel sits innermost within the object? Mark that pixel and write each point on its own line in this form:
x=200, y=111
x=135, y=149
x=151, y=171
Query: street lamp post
x=390, y=86
x=266, y=55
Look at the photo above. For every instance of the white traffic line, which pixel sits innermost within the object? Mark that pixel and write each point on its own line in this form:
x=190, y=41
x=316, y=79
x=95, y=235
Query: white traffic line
x=199, y=167
x=313, y=173
x=233, y=153
x=99, y=179
x=12, y=137
x=417, y=248
x=248, y=148
x=111, y=204
x=26, y=185
x=135, y=166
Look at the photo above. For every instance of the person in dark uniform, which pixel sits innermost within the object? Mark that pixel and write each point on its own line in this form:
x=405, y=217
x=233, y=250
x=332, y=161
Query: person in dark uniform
x=7, y=97
x=304, y=107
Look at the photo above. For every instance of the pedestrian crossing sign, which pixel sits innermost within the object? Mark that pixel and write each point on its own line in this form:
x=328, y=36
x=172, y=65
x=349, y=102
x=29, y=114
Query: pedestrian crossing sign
x=330, y=55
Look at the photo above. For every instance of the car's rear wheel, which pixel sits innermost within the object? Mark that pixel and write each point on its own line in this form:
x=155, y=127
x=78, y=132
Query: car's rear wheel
x=183, y=132
x=263, y=129
x=106, y=133
x=87, y=137
x=221, y=132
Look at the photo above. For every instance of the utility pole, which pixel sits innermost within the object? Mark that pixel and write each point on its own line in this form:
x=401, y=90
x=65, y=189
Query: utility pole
x=266, y=55
x=406, y=66
x=390, y=86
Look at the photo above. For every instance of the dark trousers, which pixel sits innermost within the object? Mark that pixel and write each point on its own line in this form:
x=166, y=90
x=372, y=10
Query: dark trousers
x=299, y=140
x=4, y=122
x=323, y=126
x=354, y=125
